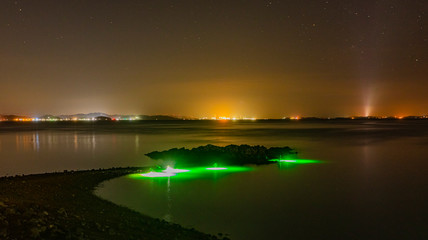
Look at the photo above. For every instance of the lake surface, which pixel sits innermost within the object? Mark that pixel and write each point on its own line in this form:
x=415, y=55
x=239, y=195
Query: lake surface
x=371, y=183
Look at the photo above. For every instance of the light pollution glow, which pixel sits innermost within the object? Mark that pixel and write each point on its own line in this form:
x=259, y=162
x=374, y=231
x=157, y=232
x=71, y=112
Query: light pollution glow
x=214, y=59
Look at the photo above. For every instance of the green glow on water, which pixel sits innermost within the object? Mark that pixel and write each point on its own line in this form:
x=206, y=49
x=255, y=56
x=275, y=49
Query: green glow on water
x=192, y=173
x=293, y=161
x=216, y=171
x=174, y=170
x=296, y=161
x=216, y=168
x=157, y=174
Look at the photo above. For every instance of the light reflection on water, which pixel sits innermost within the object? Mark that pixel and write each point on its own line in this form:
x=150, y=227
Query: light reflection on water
x=43, y=147
x=372, y=184
x=25, y=152
x=369, y=186
x=361, y=192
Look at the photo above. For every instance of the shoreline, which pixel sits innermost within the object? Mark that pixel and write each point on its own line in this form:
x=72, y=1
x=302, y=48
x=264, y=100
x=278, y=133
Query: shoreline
x=62, y=205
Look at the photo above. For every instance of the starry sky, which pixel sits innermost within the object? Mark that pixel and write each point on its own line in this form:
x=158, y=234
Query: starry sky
x=214, y=58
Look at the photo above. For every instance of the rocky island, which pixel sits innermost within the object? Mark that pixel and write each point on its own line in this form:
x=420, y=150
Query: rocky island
x=228, y=155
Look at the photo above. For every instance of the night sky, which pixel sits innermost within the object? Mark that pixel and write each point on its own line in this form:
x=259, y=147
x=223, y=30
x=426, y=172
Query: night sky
x=214, y=58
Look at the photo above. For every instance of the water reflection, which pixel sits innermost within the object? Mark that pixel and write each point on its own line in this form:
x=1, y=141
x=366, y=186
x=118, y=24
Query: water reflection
x=366, y=155
x=285, y=165
x=93, y=143
x=50, y=141
x=73, y=145
x=76, y=145
x=27, y=142
x=374, y=179
x=137, y=143
x=168, y=215
x=294, y=162
x=36, y=145
x=45, y=151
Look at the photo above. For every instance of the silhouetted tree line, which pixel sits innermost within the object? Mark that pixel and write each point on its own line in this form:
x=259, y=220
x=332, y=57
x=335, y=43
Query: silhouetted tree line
x=228, y=155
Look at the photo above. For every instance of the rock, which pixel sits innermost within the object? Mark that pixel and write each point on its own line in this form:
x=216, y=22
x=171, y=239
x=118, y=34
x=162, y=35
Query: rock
x=62, y=211
x=11, y=211
x=3, y=232
x=98, y=226
x=34, y=232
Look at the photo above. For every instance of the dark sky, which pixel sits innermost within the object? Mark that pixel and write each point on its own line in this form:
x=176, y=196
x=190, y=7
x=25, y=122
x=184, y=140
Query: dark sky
x=207, y=58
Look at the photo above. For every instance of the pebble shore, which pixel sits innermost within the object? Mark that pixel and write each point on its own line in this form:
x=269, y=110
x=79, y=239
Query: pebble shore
x=63, y=206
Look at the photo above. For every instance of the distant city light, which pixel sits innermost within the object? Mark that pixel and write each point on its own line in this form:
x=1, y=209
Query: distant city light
x=226, y=118
x=4, y=118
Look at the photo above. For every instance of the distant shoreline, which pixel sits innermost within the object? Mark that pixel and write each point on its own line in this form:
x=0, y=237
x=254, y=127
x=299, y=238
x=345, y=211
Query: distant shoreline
x=63, y=206
x=225, y=120
x=104, y=117
x=132, y=126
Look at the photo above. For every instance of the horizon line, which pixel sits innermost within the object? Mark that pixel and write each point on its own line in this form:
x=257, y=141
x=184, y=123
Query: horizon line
x=71, y=117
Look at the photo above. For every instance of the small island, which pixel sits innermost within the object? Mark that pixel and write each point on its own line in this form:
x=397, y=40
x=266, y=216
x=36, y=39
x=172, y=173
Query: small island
x=228, y=155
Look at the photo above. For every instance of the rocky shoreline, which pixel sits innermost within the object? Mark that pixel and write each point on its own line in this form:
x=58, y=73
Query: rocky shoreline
x=63, y=206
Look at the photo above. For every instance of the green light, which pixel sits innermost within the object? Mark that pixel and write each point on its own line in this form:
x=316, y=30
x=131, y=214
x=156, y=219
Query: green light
x=173, y=170
x=296, y=161
x=192, y=173
x=228, y=169
x=168, y=172
x=288, y=161
x=157, y=174
x=216, y=168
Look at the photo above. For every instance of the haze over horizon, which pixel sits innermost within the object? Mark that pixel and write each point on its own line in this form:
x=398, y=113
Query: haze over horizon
x=264, y=59
x=96, y=114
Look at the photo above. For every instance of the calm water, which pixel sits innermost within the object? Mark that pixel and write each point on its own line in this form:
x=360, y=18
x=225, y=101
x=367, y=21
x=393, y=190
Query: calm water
x=372, y=183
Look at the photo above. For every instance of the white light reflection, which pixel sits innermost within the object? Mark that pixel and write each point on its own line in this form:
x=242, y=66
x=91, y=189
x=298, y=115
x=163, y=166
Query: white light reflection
x=157, y=174
x=173, y=170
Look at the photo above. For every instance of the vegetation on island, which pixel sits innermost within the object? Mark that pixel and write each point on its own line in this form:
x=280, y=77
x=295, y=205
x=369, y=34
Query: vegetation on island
x=228, y=155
